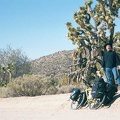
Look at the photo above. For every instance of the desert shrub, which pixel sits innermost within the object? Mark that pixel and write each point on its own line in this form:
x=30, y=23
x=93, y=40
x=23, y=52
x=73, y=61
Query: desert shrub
x=4, y=92
x=68, y=88
x=65, y=89
x=30, y=85
x=35, y=85
x=51, y=90
x=63, y=80
x=50, y=86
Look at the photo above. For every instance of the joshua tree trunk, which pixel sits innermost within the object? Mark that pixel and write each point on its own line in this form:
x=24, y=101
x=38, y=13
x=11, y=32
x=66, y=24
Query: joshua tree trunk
x=10, y=76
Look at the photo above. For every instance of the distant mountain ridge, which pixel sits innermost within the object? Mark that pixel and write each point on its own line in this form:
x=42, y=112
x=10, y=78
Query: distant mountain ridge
x=54, y=64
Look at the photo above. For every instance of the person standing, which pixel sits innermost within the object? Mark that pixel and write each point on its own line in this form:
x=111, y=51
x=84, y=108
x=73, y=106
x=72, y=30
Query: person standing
x=110, y=62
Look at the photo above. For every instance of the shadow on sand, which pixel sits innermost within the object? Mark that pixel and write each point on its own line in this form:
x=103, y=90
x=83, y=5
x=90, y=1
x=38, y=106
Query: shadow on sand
x=114, y=99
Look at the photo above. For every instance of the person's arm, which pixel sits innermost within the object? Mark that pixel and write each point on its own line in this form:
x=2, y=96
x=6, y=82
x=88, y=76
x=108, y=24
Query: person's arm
x=117, y=60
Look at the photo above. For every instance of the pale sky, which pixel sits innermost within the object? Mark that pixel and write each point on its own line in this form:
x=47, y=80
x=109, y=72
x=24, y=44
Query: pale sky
x=37, y=26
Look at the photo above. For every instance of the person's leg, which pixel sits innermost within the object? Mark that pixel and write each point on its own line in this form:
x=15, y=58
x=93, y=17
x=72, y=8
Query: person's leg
x=109, y=75
x=116, y=75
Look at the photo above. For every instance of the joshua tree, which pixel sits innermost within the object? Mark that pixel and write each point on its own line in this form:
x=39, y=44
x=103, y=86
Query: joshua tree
x=8, y=68
x=96, y=27
x=9, y=55
x=3, y=69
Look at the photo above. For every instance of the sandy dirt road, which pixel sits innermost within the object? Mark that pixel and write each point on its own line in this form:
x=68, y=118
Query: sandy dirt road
x=53, y=107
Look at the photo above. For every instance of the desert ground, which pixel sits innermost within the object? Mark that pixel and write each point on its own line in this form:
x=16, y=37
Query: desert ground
x=54, y=107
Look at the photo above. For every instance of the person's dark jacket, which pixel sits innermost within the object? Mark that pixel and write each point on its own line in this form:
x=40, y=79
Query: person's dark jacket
x=110, y=59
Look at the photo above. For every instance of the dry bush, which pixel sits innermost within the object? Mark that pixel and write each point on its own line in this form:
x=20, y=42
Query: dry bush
x=35, y=85
x=64, y=80
x=69, y=88
x=4, y=92
x=29, y=85
x=65, y=89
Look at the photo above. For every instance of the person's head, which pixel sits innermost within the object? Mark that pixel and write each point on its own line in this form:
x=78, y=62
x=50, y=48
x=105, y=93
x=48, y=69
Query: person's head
x=108, y=46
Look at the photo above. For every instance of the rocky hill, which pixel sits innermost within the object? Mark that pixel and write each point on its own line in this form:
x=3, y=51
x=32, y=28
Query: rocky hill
x=54, y=64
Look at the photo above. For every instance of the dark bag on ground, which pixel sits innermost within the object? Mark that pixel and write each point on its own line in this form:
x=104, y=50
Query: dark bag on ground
x=110, y=92
x=75, y=94
x=98, y=88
